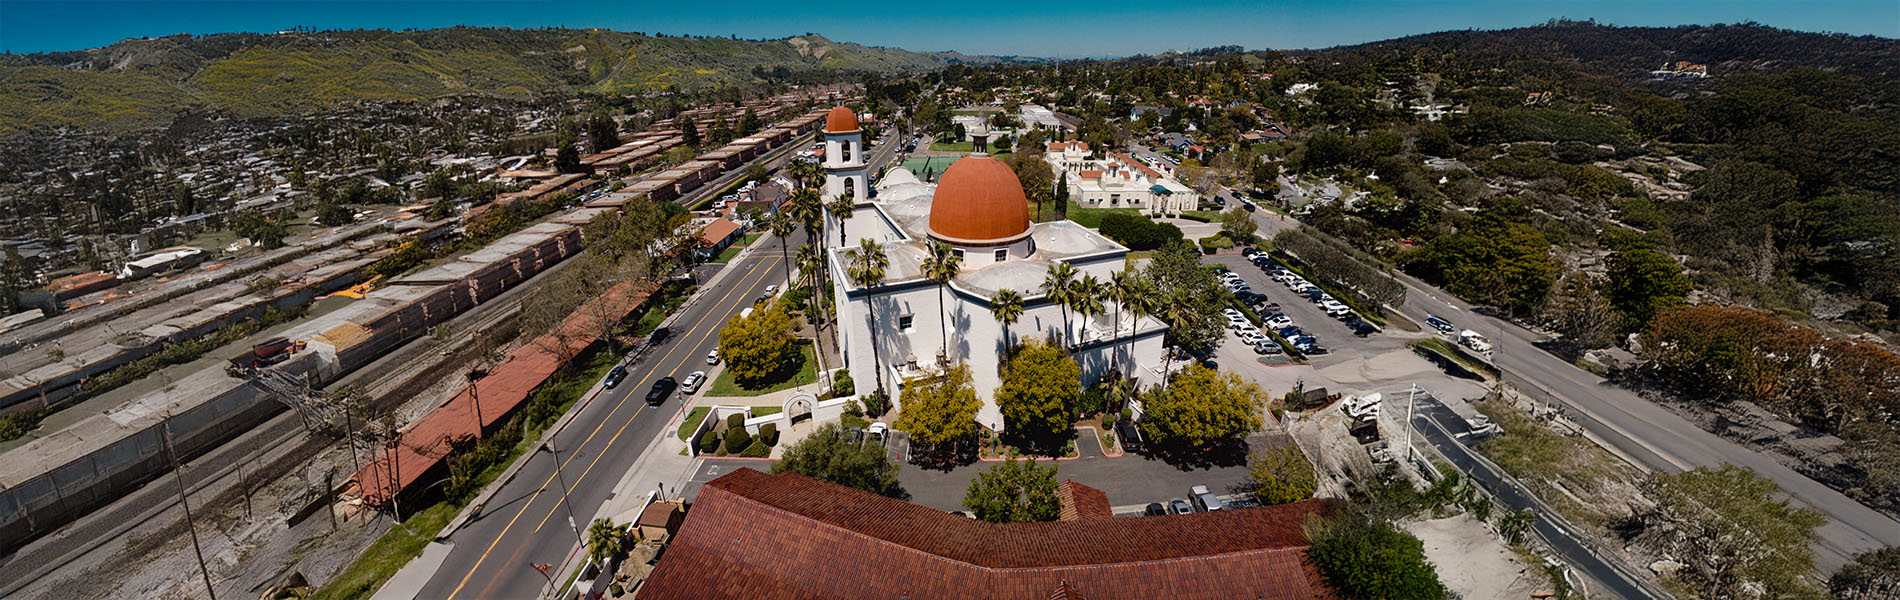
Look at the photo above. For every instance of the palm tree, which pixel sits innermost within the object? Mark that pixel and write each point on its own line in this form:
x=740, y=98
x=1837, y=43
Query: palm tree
x=1007, y=307
x=809, y=263
x=605, y=540
x=1119, y=285
x=940, y=267
x=840, y=208
x=1141, y=302
x=805, y=210
x=867, y=264
x=1087, y=299
x=807, y=174
x=781, y=227
x=1057, y=286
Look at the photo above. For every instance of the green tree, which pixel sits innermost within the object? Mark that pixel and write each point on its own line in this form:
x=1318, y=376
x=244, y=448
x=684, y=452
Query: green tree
x=1189, y=297
x=760, y=348
x=866, y=264
x=1643, y=283
x=940, y=412
x=940, y=266
x=1238, y=224
x=1058, y=286
x=1734, y=531
x=689, y=132
x=1201, y=406
x=331, y=214
x=606, y=540
x=264, y=230
x=602, y=133
x=1873, y=575
x=1282, y=475
x=1039, y=391
x=1365, y=557
x=1014, y=491
x=567, y=158
x=748, y=122
x=826, y=454
x=1007, y=307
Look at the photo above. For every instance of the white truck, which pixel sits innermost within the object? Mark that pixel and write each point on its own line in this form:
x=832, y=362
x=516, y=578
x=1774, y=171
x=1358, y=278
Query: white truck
x=1474, y=341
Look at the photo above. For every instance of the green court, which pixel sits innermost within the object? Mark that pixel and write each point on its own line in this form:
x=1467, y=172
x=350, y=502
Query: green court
x=936, y=164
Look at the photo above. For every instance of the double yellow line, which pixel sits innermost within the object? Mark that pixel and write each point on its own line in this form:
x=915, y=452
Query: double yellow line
x=603, y=423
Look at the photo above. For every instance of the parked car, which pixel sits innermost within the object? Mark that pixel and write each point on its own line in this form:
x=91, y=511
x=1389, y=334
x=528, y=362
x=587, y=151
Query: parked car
x=1279, y=322
x=1267, y=346
x=661, y=390
x=659, y=335
x=876, y=433
x=614, y=376
x=1439, y=323
x=692, y=382
x=1130, y=435
x=1204, y=500
x=712, y=358
x=1155, y=509
x=1179, y=506
x=1361, y=328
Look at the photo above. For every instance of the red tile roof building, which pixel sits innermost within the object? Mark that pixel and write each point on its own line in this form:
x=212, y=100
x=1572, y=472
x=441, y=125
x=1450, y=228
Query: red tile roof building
x=784, y=536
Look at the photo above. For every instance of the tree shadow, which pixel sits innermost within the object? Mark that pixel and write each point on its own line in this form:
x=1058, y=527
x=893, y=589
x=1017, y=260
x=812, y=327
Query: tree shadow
x=1222, y=454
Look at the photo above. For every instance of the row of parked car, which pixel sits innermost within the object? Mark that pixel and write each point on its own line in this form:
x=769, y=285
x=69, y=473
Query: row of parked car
x=1271, y=317
x=1299, y=285
x=1200, y=499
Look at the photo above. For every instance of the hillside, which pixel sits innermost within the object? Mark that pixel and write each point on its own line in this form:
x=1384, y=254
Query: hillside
x=146, y=82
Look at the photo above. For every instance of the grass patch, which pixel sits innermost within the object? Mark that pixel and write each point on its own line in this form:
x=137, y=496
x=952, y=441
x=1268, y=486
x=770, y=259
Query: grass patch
x=726, y=256
x=1447, y=350
x=1092, y=217
x=952, y=147
x=388, y=554
x=750, y=239
x=1571, y=474
x=691, y=424
x=807, y=374
x=760, y=411
x=850, y=420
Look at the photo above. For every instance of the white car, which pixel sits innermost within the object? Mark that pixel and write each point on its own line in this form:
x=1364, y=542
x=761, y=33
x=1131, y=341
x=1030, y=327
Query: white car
x=1280, y=322
x=692, y=382
x=712, y=358
x=1252, y=337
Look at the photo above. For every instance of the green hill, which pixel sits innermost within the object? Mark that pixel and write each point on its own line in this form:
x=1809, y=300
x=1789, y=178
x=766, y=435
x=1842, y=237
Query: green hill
x=147, y=82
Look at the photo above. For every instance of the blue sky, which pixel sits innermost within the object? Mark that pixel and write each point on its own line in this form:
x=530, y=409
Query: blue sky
x=1050, y=28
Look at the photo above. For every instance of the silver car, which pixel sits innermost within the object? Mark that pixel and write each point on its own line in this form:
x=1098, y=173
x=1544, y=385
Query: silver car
x=693, y=381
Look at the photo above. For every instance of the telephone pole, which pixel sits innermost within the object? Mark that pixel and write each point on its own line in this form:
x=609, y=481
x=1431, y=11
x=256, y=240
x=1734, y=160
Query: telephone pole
x=184, y=500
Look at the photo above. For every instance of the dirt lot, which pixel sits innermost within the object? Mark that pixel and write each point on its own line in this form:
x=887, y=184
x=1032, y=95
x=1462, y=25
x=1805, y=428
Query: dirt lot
x=1473, y=562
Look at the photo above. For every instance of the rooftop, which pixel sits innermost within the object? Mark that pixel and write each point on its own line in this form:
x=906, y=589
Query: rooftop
x=791, y=536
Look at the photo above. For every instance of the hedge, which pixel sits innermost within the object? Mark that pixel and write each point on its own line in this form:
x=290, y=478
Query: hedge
x=768, y=434
x=737, y=439
x=708, y=441
x=1137, y=232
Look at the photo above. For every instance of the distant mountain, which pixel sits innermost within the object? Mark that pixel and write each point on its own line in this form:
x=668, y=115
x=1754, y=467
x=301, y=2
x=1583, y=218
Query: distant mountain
x=146, y=82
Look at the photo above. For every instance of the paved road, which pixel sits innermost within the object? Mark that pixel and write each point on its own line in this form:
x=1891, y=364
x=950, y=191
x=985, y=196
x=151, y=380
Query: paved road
x=1650, y=434
x=1444, y=430
x=525, y=522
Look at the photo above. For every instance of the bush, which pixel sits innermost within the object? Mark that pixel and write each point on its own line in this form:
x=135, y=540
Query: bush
x=1363, y=556
x=1138, y=232
x=1216, y=242
x=737, y=439
x=756, y=450
x=841, y=384
x=708, y=441
x=735, y=421
x=768, y=434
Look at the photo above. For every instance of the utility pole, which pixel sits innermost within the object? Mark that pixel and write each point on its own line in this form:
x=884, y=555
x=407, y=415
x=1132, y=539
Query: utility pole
x=474, y=393
x=1408, y=420
x=565, y=501
x=184, y=500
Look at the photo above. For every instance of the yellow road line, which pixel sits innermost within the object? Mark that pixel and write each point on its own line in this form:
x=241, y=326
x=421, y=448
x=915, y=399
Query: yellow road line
x=669, y=354
x=550, y=479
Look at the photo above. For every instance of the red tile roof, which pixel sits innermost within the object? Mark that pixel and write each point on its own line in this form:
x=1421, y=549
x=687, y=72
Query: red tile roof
x=783, y=536
x=1081, y=502
x=717, y=231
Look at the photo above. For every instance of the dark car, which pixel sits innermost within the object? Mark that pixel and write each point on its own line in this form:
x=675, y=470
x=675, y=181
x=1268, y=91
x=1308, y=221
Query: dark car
x=1438, y=323
x=1361, y=328
x=659, y=335
x=1129, y=434
x=661, y=389
x=1155, y=509
x=614, y=376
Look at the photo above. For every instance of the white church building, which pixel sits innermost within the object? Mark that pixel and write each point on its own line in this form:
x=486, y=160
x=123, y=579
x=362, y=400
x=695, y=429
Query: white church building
x=979, y=209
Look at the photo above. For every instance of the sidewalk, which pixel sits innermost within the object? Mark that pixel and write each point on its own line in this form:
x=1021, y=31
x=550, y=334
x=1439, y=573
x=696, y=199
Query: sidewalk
x=662, y=466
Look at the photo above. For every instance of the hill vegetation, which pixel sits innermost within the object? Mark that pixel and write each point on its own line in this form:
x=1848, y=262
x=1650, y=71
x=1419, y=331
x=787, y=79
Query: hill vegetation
x=146, y=82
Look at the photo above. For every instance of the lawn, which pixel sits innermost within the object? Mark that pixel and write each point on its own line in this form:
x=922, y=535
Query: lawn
x=807, y=374
x=750, y=239
x=692, y=420
x=952, y=147
x=726, y=256
x=760, y=411
x=1092, y=217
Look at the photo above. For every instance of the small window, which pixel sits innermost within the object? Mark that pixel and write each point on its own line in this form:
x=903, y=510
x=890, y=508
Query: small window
x=1002, y=254
x=903, y=322
x=958, y=252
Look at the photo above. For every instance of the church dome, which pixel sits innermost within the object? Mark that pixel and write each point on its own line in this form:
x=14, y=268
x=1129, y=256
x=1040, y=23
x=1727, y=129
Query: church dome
x=979, y=201
x=840, y=120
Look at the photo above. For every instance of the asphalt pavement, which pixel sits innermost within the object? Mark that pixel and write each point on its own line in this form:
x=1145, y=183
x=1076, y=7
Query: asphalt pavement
x=525, y=522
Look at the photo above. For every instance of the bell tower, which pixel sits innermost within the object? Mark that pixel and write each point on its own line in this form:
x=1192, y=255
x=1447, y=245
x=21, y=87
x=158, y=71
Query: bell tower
x=845, y=171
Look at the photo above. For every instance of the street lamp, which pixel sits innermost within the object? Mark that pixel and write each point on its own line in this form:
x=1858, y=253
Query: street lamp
x=565, y=502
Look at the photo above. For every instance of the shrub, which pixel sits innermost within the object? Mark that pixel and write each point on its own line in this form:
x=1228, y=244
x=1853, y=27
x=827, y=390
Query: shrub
x=1138, y=232
x=737, y=439
x=768, y=434
x=735, y=421
x=841, y=384
x=756, y=450
x=708, y=441
x=1216, y=242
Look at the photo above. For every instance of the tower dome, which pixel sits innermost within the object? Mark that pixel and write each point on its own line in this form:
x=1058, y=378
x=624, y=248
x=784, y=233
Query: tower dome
x=979, y=202
x=840, y=120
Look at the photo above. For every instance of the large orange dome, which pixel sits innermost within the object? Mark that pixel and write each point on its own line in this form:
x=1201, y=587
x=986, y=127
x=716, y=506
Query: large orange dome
x=979, y=200
x=840, y=120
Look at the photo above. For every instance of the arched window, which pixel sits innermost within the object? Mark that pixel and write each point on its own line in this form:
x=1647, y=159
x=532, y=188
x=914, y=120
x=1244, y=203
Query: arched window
x=844, y=150
x=850, y=188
